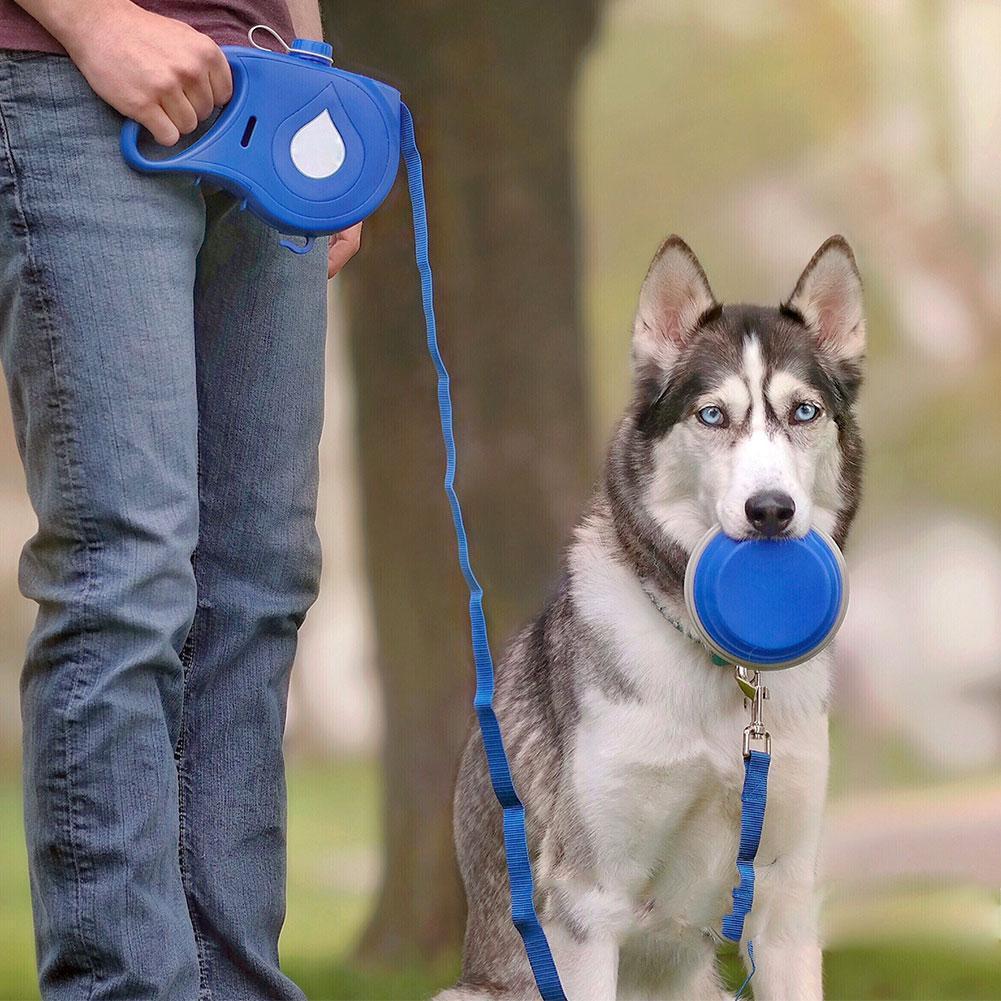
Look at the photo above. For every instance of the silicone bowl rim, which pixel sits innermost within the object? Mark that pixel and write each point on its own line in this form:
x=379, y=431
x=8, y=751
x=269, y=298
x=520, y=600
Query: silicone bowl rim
x=714, y=647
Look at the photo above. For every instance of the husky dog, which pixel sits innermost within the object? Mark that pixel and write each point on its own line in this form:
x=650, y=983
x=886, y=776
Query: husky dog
x=624, y=737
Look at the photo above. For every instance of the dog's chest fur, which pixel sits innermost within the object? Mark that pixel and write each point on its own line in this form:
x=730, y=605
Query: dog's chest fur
x=654, y=761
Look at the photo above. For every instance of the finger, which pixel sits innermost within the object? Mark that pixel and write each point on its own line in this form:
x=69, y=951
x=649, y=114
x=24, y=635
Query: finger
x=339, y=252
x=220, y=78
x=159, y=126
x=200, y=97
x=343, y=246
x=180, y=111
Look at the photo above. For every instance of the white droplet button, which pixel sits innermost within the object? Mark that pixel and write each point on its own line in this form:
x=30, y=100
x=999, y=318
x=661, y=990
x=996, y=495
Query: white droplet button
x=317, y=149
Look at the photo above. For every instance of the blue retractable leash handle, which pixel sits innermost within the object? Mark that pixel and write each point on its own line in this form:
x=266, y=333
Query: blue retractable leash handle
x=311, y=150
x=308, y=148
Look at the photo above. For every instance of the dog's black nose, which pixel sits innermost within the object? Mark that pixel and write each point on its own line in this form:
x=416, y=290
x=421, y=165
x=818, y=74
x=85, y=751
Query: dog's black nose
x=770, y=512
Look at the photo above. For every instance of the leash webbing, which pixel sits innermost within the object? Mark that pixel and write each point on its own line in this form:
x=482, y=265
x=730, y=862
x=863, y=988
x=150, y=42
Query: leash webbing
x=753, y=794
x=752, y=815
x=515, y=839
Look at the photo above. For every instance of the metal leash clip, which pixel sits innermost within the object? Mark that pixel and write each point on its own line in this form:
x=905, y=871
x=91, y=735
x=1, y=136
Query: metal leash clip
x=754, y=697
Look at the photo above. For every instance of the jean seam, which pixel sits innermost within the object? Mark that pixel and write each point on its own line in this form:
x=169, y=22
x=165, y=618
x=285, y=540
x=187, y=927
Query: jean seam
x=204, y=994
x=187, y=664
x=69, y=491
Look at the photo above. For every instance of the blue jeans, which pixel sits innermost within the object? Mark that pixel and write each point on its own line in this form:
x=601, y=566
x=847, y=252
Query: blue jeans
x=165, y=363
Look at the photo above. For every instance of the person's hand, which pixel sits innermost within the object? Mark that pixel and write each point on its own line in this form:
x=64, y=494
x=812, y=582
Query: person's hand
x=343, y=246
x=161, y=72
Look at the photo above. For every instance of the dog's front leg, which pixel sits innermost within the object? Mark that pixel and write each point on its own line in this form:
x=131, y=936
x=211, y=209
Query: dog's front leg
x=793, y=971
x=788, y=968
x=585, y=921
x=587, y=962
x=784, y=921
x=785, y=934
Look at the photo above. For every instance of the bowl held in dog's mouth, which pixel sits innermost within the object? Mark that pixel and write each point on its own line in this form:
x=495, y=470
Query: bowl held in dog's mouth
x=766, y=604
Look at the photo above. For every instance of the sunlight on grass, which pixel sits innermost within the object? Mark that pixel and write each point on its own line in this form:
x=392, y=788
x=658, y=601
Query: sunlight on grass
x=17, y=957
x=333, y=872
x=333, y=857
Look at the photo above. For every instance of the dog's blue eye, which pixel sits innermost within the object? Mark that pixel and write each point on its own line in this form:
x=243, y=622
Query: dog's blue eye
x=712, y=417
x=805, y=413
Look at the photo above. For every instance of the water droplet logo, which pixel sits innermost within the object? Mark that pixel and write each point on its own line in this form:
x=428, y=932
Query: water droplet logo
x=317, y=149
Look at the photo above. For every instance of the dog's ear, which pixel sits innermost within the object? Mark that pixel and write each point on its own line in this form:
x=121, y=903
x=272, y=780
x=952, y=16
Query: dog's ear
x=828, y=298
x=674, y=298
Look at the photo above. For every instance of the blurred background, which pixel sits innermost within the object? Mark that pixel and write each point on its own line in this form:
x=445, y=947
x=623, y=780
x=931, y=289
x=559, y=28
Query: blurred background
x=562, y=141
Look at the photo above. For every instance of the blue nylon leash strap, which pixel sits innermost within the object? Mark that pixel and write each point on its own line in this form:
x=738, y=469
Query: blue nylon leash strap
x=752, y=816
x=519, y=866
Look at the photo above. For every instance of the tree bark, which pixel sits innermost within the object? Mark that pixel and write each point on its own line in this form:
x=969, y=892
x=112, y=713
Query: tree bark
x=491, y=86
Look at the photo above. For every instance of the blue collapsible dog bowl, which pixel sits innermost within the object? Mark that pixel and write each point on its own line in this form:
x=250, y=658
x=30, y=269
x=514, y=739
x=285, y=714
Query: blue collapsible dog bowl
x=766, y=604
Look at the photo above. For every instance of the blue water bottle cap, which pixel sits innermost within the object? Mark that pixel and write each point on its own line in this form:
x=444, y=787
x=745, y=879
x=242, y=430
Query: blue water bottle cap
x=766, y=603
x=309, y=48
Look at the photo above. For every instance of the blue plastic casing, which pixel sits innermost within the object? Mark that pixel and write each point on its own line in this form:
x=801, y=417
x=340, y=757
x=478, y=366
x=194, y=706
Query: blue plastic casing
x=766, y=604
x=248, y=150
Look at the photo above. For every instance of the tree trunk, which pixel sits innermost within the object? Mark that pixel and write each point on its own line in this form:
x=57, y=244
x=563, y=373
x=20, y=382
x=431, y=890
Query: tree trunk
x=491, y=85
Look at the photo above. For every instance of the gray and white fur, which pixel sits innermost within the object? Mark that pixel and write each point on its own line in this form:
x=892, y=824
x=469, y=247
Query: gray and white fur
x=624, y=738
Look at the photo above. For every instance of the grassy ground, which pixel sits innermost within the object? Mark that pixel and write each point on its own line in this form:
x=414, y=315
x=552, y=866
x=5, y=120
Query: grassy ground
x=333, y=837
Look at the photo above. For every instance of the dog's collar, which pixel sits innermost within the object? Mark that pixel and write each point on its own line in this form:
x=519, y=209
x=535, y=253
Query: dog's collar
x=680, y=626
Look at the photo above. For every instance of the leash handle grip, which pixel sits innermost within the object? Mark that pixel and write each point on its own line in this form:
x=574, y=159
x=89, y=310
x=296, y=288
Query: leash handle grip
x=191, y=158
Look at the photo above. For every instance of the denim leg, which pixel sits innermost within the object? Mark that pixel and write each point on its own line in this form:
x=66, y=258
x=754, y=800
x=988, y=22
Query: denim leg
x=260, y=321
x=97, y=266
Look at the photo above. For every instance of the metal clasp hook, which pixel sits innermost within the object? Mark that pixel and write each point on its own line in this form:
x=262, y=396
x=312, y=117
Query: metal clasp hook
x=754, y=696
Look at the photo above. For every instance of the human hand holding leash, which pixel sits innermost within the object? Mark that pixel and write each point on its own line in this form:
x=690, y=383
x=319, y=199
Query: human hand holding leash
x=341, y=248
x=154, y=69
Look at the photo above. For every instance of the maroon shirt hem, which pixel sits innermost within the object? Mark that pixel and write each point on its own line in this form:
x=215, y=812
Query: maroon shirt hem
x=226, y=22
